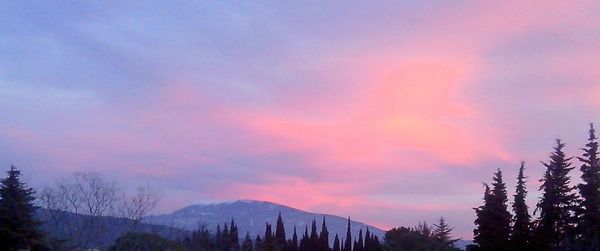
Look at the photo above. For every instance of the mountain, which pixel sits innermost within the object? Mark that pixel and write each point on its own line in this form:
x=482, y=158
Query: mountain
x=251, y=216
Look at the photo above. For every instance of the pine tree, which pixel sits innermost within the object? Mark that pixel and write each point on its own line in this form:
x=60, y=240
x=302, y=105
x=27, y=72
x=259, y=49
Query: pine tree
x=493, y=219
x=482, y=234
x=558, y=203
x=522, y=227
x=442, y=232
x=348, y=241
x=324, y=237
x=247, y=245
x=336, y=243
x=280, y=239
x=589, y=189
x=18, y=226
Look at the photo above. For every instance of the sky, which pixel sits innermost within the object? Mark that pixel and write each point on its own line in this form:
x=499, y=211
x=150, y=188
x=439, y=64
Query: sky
x=390, y=112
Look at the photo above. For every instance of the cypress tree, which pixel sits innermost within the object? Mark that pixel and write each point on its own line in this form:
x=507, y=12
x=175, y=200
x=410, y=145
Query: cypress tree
x=18, y=226
x=558, y=203
x=522, y=228
x=225, y=239
x=589, y=189
x=314, y=237
x=280, y=234
x=269, y=241
x=336, y=243
x=234, y=240
x=258, y=244
x=324, y=237
x=348, y=241
x=293, y=245
x=218, y=238
x=358, y=244
x=304, y=242
x=368, y=245
x=247, y=245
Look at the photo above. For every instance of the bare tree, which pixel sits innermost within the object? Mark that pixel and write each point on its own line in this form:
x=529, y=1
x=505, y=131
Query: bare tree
x=138, y=206
x=91, y=197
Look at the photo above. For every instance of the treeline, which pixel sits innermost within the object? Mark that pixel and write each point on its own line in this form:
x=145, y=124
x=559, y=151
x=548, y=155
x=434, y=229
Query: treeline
x=227, y=238
x=568, y=216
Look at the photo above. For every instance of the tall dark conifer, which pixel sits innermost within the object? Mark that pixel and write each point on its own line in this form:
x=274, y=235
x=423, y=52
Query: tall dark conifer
x=293, y=244
x=268, y=240
x=304, y=242
x=18, y=226
x=234, y=239
x=313, y=243
x=280, y=239
x=336, y=243
x=258, y=244
x=348, y=240
x=589, y=189
x=368, y=244
x=359, y=244
x=247, y=244
x=522, y=227
x=324, y=237
x=493, y=219
x=558, y=203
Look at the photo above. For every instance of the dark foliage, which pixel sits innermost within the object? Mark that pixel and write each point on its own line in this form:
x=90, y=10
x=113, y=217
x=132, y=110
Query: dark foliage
x=19, y=229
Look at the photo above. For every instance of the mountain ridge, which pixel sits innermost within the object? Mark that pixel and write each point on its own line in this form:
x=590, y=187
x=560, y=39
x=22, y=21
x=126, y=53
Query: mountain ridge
x=251, y=216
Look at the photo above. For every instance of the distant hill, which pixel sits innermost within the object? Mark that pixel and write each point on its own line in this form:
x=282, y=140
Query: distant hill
x=64, y=225
x=251, y=217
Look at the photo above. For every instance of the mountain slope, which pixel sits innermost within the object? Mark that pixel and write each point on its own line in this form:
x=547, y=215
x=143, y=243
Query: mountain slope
x=251, y=217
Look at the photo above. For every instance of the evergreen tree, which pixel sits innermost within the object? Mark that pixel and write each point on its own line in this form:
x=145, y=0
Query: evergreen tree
x=304, y=242
x=348, y=241
x=368, y=244
x=313, y=242
x=359, y=244
x=442, y=232
x=493, y=219
x=558, y=203
x=234, y=240
x=589, y=189
x=224, y=245
x=336, y=243
x=522, y=228
x=280, y=239
x=258, y=244
x=218, y=238
x=324, y=237
x=269, y=240
x=293, y=245
x=18, y=226
x=247, y=245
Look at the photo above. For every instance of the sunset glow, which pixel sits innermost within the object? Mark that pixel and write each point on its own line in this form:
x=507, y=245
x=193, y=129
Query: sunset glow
x=389, y=113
